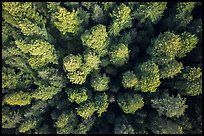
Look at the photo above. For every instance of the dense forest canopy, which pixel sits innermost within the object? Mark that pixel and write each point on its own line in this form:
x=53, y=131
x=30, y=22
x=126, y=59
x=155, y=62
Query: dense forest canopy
x=102, y=67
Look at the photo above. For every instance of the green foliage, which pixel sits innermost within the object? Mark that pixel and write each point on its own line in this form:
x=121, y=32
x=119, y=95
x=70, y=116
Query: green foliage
x=65, y=118
x=189, y=82
x=27, y=125
x=96, y=38
x=10, y=118
x=36, y=110
x=52, y=76
x=188, y=42
x=41, y=52
x=9, y=78
x=85, y=126
x=122, y=126
x=171, y=69
x=24, y=15
x=129, y=79
x=77, y=77
x=89, y=67
x=130, y=103
x=183, y=13
x=164, y=47
x=98, y=15
x=44, y=92
x=18, y=98
x=21, y=10
x=148, y=77
x=121, y=19
x=92, y=61
x=101, y=102
x=119, y=54
x=77, y=95
x=86, y=109
x=67, y=22
x=151, y=11
x=66, y=122
x=169, y=106
x=72, y=62
x=100, y=82
x=29, y=28
x=162, y=125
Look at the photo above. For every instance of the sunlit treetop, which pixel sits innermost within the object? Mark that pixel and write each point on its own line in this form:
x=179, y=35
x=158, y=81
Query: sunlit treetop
x=21, y=10
x=183, y=12
x=101, y=102
x=65, y=118
x=189, y=82
x=170, y=106
x=130, y=103
x=96, y=38
x=92, y=60
x=191, y=73
x=129, y=79
x=119, y=54
x=164, y=47
x=188, y=43
x=72, y=62
x=18, y=98
x=148, y=76
x=151, y=11
x=100, y=82
x=86, y=109
x=121, y=19
x=67, y=22
x=171, y=69
x=77, y=95
x=41, y=52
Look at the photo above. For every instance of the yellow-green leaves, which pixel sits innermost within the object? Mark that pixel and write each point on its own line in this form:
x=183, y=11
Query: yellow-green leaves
x=19, y=98
x=188, y=42
x=29, y=28
x=64, y=119
x=170, y=106
x=41, y=52
x=100, y=82
x=45, y=92
x=121, y=19
x=164, y=47
x=101, y=102
x=9, y=78
x=96, y=38
x=66, y=122
x=86, y=109
x=151, y=11
x=119, y=54
x=72, y=62
x=148, y=76
x=171, y=69
x=129, y=79
x=77, y=95
x=189, y=82
x=77, y=77
x=78, y=68
x=21, y=10
x=129, y=102
x=183, y=13
x=67, y=22
x=27, y=125
x=92, y=61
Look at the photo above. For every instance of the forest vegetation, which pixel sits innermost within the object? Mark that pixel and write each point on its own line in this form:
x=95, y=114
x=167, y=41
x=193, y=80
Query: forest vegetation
x=101, y=68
